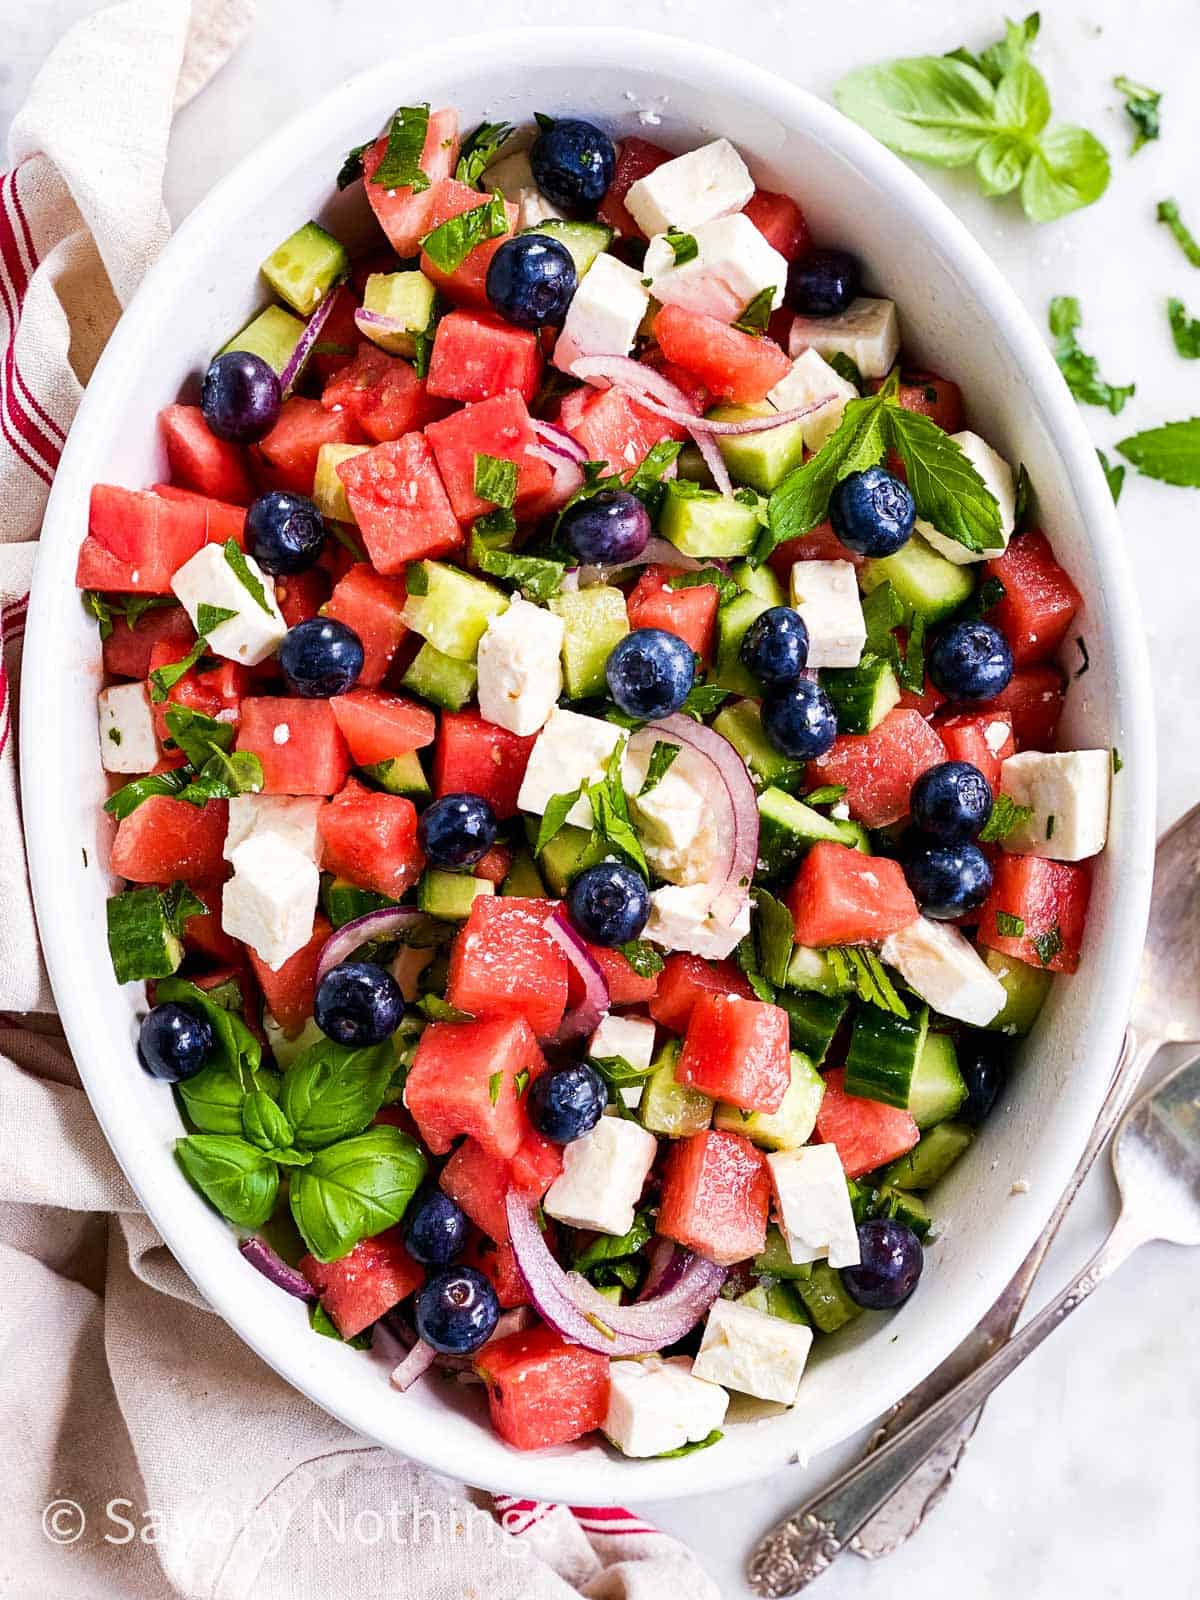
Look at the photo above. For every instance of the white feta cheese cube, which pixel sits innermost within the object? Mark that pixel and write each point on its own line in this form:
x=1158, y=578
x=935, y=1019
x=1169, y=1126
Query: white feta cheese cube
x=753, y=1352
x=1068, y=791
x=209, y=580
x=605, y=313
x=813, y=1205
x=733, y=264
x=271, y=900
x=292, y=818
x=675, y=819
x=998, y=476
x=680, y=919
x=825, y=593
x=868, y=331
x=520, y=670
x=128, y=742
x=656, y=1405
x=603, y=1176
x=695, y=188
x=571, y=750
x=945, y=970
x=812, y=379
x=631, y=1038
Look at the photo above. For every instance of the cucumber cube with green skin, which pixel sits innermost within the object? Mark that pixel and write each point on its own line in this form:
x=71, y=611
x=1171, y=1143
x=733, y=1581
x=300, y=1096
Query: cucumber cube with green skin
x=742, y=725
x=399, y=775
x=140, y=939
x=343, y=902
x=786, y=830
x=585, y=240
x=273, y=335
x=930, y=1159
x=764, y=459
x=524, y=880
x=305, y=267
x=692, y=466
x=884, y=1051
x=561, y=857
x=775, y=1262
x=937, y=1089
x=449, y=608
x=706, y=524
x=668, y=1107
x=855, y=836
x=760, y=581
x=811, y=971
x=777, y=1300
x=328, y=490
x=863, y=695
x=440, y=678
x=734, y=620
x=792, y=1124
x=906, y=1208
x=813, y=1019
x=825, y=1299
x=449, y=895
x=924, y=581
x=1026, y=988
x=404, y=298
x=594, y=621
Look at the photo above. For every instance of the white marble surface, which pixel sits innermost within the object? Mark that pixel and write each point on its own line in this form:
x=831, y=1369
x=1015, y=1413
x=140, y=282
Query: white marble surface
x=1085, y=1476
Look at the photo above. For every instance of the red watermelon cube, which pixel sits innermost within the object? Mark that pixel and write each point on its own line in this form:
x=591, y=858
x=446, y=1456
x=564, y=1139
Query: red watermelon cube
x=139, y=538
x=635, y=158
x=203, y=934
x=1051, y=900
x=377, y=726
x=504, y=964
x=403, y=215
x=498, y=1263
x=290, y=991
x=300, y=595
x=373, y=606
x=478, y=1182
x=716, y=1190
x=466, y=285
x=298, y=742
x=476, y=355
x=400, y=503
x=879, y=768
x=840, y=896
x=199, y=460
x=338, y=343
x=682, y=981
x=737, y=1050
x=780, y=221
x=1034, y=701
x=613, y=428
x=356, y=1290
x=735, y=365
x=625, y=986
x=934, y=397
x=497, y=427
x=541, y=1390
x=381, y=393
x=371, y=839
x=866, y=1133
x=127, y=649
x=985, y=739
x=1040, y=601
x=291, y=448
x=689, y=613
x=822, y=544
x=166, y=839
x=474, y=756
x=463, y=1081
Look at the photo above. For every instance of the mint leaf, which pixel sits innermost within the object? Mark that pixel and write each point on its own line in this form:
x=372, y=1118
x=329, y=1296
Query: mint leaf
x=537, y=577
x=690, y=1448
x=643, y=958
x=1009, y=926
x=496, y=480
x=616, y=1071
x=129, y=797
x=775, y=934
x=1185, y=330
x=100, y=608
x=235, y=1178
x=1006, y=816
x=355, y=1189
x=449, y=245
x=236, y=558
x=683, y=246
x=756, y=314
x=658, y=766
x=321, y=1322
x=1114, y=476
x=210, y=617
x=947, y=490
x=332, y=1090
x=197, y=734
x=802, y=499
x=1168, y=212
x=351, y=168
x=1081, y=371
x=882, y=611
x=912, y=663
x=703, y=699
x=163, y=679
x=1141, y=104
x=1170, y=453
x=725, y=586
x=862, y=973
x=1047, y=944
x=480, y=149
x=401, y=164
x=554, y=818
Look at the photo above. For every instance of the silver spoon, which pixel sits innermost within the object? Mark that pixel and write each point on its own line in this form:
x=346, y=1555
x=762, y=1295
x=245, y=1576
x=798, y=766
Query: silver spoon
x=1156, y=1159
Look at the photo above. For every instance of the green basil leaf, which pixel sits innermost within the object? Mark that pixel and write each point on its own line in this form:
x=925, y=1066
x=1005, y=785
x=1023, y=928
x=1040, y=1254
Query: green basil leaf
x=263, y=1123
x=235, y=1049
x=1009, y=926
x=285, y=1156
x=1170, y=453
x=1141, y=104
x=354, y=1189
x=480, y=149
x=947, y=490
x=1069, y=169
x=1168, y=212
x=931, y=108
x=1022, y=99
x=235, y=558
x=225, y=775
x=496, y=480
x=1081, y=371
x=1114, y=476
x=449, y=245
x=1000, y=165
x=213, y=1098
x=330, y=1091
x=235, y=1178
x=756, y=314
x=401, y=164
x=1185, y=330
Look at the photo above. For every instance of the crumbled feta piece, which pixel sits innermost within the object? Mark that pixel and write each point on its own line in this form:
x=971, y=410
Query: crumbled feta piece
x=998, y=477
x=732, y=265
x=631, y=1038
x=603, y=1176
x=1068, y=791
x=675, y=819
x=753, y=1352
x=656, y=1405
x=867, y=331
x=605, y=313
x=520, y=670
x=813, y=1205
x=811, y=379
x=128, y=742
x=254, y=631
x=513, y=176
x=571, y=750
x=281, y=733
x=680, y=919
x=712, y=181
x=271, y=900
x=945, y=970
x=292, y=818
x=825, y=593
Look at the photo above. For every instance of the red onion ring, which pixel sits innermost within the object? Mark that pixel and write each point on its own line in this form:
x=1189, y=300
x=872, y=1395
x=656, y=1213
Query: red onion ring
x=557, y=439
x=415, y=1365
x=667, y=1261
x=586, y=1017
x=344, y=941
x=568, y=477
x=643, y=382
x=298, y=359
x=273, y=1267
x=734, y=430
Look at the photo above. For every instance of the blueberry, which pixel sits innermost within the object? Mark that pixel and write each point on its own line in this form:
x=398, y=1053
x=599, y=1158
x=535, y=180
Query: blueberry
x=775, y=647
x=948, y=879
x=530, y=280
x=240, y=397
x=609, y=904
x=872, y=513
x=823, y=282
x=566, y=1104
x=951, y=802
x=800, y=721
x=358, y=1004
x=320, y=658
x=285, y=532
x=435, y=1229
x=607, y=527
x=456, y=1311
x=457, y=831
x=970, y=661
x=650, y=673
x=173, y=1042
x=983, y=1062
x=573, y=165
x=891, y=1264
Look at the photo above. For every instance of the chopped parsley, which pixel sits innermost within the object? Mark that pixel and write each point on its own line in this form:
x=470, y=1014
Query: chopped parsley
x=1141, y=104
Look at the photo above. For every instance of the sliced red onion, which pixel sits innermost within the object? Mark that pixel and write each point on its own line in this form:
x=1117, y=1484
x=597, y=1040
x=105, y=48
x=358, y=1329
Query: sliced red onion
x=415, y=1365
x=586, y=1017
x=658, y=552
x=568, y=476
x=342, y=944
x=735, y=430
x=667, y=1261
x=273, y=1267
x=643, y=383
x=559, y=441
x=713, y=459
x=298, y=359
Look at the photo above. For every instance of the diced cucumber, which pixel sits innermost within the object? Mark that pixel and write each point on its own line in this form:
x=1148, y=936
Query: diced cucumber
x=343, y=901
x=777, y=1300
x=440, y=678
x=810, y=970
x=733, y=623
x=450, y=894
x=328, y=490
x=825, y=1299
x=909, y=1209
x=924, y=581
x=786, y=829
x=813, y=1019
x=594, y=621
x=930, y=1159
x=399, y=775
x=560, y=858
x=669, y=1107
x=774, y=1261
x=760, y=581
x=702, y=523
x=406, y=300
x=742, y=725
x=863, y=695
x=524, y=879
x=610, y=1292
x=855, y=836
x=763, y=459
x=273, y=335
x=692, y=466
x=140, y=938
x=449, y=608
x=792, y=1124
x=1026, y=988
x=303, y=269
x=585, y=240
x=884, y=1050
x=937, y=1088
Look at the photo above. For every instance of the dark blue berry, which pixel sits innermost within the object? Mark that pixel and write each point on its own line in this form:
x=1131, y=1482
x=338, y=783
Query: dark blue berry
x=457, y=831
x=891, y=1264
x=240, y=397
x=650, y=673
x=800, y=722
x=609, y=904
x=573, y=164
x=530, y=280
x=951, y=802
x=358, y=1004
x=948, y=879
x=823, y=282
x=983, y=1062
x=872, y=513
x=970, y=661
x=456, y=1311
x=775, y=647
x=285, y=532
x=173, y=1042
x=605, y=528
x=320, y=658
x=435, y=1228
x=566, y=1104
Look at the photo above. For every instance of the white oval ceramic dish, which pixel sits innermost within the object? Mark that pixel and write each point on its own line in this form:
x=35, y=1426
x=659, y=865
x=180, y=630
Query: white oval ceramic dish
x=959, y=317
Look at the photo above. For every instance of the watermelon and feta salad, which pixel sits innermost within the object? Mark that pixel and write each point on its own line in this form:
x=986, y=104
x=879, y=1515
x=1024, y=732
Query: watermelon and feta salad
x=581, y=710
